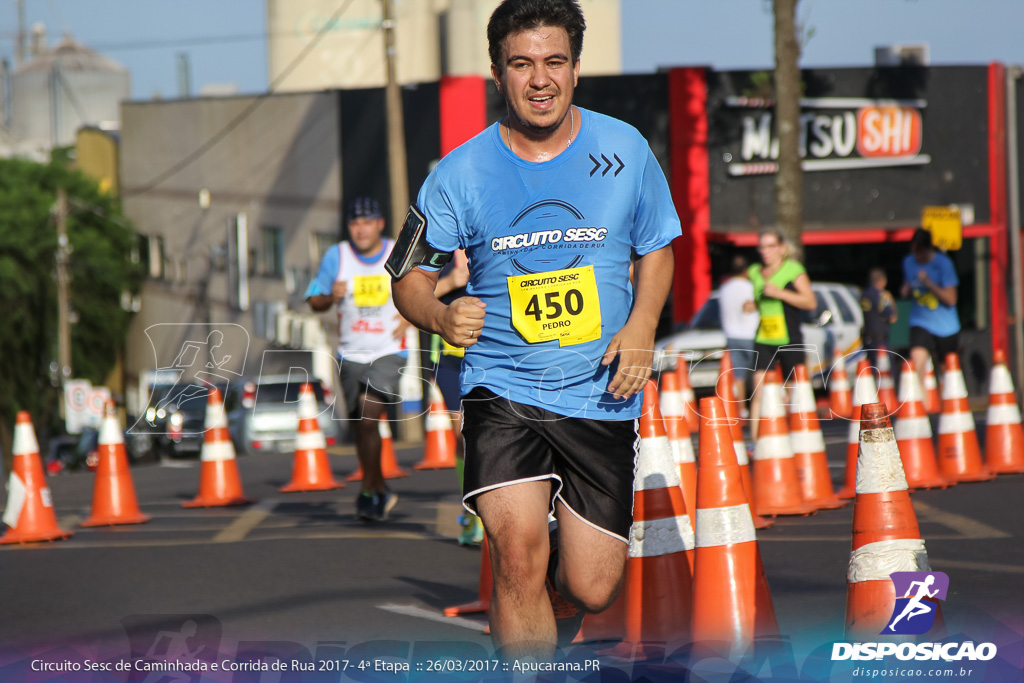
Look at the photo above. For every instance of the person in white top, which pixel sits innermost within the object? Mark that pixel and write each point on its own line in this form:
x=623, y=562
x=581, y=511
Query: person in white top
x=370, y=339
x=739, y=327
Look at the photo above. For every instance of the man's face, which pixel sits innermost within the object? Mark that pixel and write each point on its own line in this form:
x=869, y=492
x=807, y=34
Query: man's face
x=365, y=234
x=538, y=78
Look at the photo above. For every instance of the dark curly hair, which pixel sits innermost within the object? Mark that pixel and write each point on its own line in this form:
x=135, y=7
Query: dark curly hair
x=513, y=16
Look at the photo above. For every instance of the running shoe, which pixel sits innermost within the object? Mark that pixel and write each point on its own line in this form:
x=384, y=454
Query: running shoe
x=384, y=503
x=366, y=506
x=568, y=616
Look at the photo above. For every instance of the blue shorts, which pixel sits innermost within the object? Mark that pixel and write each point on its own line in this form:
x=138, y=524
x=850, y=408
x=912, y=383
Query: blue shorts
x=742, y=353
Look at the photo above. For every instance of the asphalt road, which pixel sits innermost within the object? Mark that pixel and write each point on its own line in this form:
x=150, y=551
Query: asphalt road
x=295, y=574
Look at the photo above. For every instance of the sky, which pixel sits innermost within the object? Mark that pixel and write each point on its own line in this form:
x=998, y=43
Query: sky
x=225, y=44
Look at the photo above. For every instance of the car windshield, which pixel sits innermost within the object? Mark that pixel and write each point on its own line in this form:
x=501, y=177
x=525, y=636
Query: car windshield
x=285, y=392
x=189, y=397
x=708, y=317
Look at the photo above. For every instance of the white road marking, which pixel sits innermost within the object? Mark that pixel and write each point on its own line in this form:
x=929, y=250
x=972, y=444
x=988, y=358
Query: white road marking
x=430, y=615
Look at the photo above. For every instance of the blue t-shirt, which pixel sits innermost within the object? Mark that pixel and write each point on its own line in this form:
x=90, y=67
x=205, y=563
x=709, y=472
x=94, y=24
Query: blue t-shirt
x=928, y=312
x=549, y=247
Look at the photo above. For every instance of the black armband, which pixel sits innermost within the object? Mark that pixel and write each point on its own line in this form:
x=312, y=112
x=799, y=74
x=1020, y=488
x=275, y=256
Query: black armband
x=412, y=249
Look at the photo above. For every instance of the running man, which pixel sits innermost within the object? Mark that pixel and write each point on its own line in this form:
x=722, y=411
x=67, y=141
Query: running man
x=559, y=341
x=914, y=607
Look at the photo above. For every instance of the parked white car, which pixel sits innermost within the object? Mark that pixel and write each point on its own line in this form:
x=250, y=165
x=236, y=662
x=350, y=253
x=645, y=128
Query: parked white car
x=834, y=324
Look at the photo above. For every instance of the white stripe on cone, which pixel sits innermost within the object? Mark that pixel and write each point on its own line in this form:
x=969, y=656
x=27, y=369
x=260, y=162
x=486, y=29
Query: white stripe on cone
x=16, y=496
x=807, y=442
x=682, y=451
x=912, y=428
x=1000, y=381
x=954, y=385
x=656, y=468
x=725, y=525
x=110, y=432
x=875, y=561
x=773, y=447
x=310, y=441
x=656, y=537
x=956, y=423
x=1003, y=414
x=879, y=468
x=217, y=451
x=741, y=453
x=24, y=439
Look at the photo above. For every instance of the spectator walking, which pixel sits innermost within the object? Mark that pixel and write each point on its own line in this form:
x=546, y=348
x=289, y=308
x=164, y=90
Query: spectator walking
x=930, y=279
x=879, y=314
x=739, y=322
x=781, y=290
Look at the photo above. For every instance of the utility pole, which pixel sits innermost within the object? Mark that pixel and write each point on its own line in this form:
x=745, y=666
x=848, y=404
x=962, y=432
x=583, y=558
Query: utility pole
x=397, y=166
x=63, y=318
x=789, y=214
x=19, y=46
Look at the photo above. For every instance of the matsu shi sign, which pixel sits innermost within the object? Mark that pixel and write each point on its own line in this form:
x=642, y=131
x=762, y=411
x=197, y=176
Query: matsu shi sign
x=836, y=133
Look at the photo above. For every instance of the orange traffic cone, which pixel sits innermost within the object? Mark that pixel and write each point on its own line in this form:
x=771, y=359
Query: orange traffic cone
x=311, y=468
x=439, y=449
x=959, y=453
x=219, y=483
x=689, y=399
x=1004, y=437
x=731, y=600
x=776, y=486
x=886, y=537
x=389, y=466
x=886, y=387
x=29, y=512
x=914, y=435
x=113, y=493
x=809, y=446
x=864, y=392
x=840, y=401
x=659, y=588
x=725, y=391
x=932, y=404
x=673, y=412
x=484, y=589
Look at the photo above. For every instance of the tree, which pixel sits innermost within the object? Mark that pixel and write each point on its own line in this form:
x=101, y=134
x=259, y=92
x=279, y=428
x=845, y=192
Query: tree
x=789, y=215
x=101, y=270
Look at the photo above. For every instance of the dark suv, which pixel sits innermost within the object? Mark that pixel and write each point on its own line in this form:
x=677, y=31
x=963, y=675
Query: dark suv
x=175, y=419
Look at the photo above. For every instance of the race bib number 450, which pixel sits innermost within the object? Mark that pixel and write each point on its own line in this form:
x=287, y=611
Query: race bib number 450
x=561, y=304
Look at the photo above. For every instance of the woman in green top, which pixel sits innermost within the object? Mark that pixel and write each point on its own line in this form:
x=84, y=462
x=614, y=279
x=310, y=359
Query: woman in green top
x=781, y=290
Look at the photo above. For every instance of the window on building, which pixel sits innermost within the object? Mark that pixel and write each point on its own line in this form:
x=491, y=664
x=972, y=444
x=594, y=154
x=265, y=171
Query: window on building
x=273, y=251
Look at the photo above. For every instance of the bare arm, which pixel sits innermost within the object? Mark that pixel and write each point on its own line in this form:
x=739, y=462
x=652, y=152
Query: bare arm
x=459, y=323
x=634, y=343
x=947, y=295
x=321, y=302
x=803, y=298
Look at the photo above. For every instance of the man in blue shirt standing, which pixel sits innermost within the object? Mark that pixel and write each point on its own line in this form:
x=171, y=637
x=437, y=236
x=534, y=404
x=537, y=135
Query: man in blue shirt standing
x=930, y=278
x=559, y=339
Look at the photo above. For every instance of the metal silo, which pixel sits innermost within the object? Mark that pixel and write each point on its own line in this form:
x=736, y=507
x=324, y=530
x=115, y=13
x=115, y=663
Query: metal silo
x=62, y=89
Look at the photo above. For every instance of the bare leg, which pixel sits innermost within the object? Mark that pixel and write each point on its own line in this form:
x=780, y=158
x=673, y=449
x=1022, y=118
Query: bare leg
x=591, y=563
x=368, y=443
x=515, y=519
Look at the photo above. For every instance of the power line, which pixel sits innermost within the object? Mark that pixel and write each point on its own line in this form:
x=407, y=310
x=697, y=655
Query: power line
x=245, y=113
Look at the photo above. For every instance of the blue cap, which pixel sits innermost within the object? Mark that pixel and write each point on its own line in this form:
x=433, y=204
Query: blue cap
x=363, y=207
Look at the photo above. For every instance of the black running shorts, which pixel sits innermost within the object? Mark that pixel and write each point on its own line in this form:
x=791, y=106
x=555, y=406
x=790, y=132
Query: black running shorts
x=592, y=462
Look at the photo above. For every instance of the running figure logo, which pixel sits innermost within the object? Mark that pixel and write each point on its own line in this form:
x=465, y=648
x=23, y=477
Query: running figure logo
x=914, y=613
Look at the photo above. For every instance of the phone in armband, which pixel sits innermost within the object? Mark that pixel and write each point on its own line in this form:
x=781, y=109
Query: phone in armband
x=412, y=249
